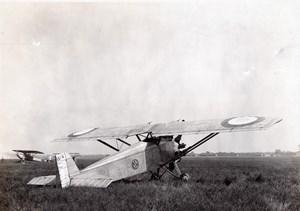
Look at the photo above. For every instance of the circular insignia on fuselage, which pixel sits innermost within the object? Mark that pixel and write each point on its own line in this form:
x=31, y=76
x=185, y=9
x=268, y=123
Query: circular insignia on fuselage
x=241, y=121
x=135, y=164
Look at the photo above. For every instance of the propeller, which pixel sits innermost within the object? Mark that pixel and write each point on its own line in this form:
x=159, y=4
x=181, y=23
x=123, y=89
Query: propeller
x=177, y=140
x=180, y=145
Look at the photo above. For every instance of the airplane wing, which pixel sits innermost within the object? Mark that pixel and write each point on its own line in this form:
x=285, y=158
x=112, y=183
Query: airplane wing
x=235, y=124
x=28, y=151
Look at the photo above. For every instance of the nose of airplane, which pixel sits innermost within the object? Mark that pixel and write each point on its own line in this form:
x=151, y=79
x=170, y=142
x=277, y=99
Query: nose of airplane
x=179, y=145
x=176, y=146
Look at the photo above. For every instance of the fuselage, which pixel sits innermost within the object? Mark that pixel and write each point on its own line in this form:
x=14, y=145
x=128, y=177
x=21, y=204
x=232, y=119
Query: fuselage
x=139, y=158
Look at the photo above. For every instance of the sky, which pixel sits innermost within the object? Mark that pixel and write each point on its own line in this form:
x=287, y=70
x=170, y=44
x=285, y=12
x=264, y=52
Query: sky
x=70, y=66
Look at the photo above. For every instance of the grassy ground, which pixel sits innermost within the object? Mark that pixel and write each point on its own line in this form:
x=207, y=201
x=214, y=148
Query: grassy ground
x=216, y=184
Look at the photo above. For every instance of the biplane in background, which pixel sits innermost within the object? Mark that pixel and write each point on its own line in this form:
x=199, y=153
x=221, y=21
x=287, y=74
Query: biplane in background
x=38, y=156
x=157, y=151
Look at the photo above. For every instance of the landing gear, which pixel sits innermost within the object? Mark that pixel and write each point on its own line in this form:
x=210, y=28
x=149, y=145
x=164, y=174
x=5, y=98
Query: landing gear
x=173, y=170
x=183, y=176
x=155, y=175
x=171, y=165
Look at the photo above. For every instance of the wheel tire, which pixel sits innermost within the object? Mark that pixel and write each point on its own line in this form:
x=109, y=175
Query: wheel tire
x=185, y=177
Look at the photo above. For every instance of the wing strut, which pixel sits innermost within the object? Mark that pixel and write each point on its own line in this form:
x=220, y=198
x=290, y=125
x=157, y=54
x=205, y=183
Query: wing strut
x=191, y=148
x=123, y=141
x=103, y=142
x=202, y=141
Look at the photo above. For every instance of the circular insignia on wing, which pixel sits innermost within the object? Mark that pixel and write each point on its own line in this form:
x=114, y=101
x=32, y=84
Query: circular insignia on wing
x=135, y=164
x=241, y=121
x=81, y=132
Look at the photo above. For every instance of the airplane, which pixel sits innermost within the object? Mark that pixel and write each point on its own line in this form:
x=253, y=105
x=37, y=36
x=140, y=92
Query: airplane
x=34, y=155
x=158, y=150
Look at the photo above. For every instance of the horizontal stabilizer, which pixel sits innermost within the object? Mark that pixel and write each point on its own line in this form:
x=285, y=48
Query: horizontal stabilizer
x=43, y=180
x=97, y=183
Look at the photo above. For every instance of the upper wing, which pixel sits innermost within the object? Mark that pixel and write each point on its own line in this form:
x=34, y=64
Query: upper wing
x=234, y=124
x=28, y=151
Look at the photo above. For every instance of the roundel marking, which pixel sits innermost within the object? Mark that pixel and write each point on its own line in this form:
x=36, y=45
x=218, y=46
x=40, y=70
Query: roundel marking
x=81, y=132
x=242, y=120
x=135, y=164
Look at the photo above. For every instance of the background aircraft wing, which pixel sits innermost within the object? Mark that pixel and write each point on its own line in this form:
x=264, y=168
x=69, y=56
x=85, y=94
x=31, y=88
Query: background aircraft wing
x=234, y=124
x=28, y=151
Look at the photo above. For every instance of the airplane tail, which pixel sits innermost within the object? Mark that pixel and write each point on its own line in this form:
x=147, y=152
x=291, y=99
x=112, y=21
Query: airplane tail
x=67, y=168
x=69, y=175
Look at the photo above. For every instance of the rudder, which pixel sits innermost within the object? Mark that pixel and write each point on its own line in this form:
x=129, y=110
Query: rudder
x=67, y=168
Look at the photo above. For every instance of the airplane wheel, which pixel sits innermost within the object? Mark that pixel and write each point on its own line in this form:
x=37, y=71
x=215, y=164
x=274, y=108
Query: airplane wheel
x=185, y=177
x=154, y=177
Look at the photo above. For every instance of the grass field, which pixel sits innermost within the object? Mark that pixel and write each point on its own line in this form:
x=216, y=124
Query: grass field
x=216, y=184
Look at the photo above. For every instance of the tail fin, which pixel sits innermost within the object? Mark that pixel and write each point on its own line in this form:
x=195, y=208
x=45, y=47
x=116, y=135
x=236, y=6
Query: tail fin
x=66, y=168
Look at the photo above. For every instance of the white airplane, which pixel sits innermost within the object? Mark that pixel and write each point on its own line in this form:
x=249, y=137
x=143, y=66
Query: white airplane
x=38, y=156
x=157, y=151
